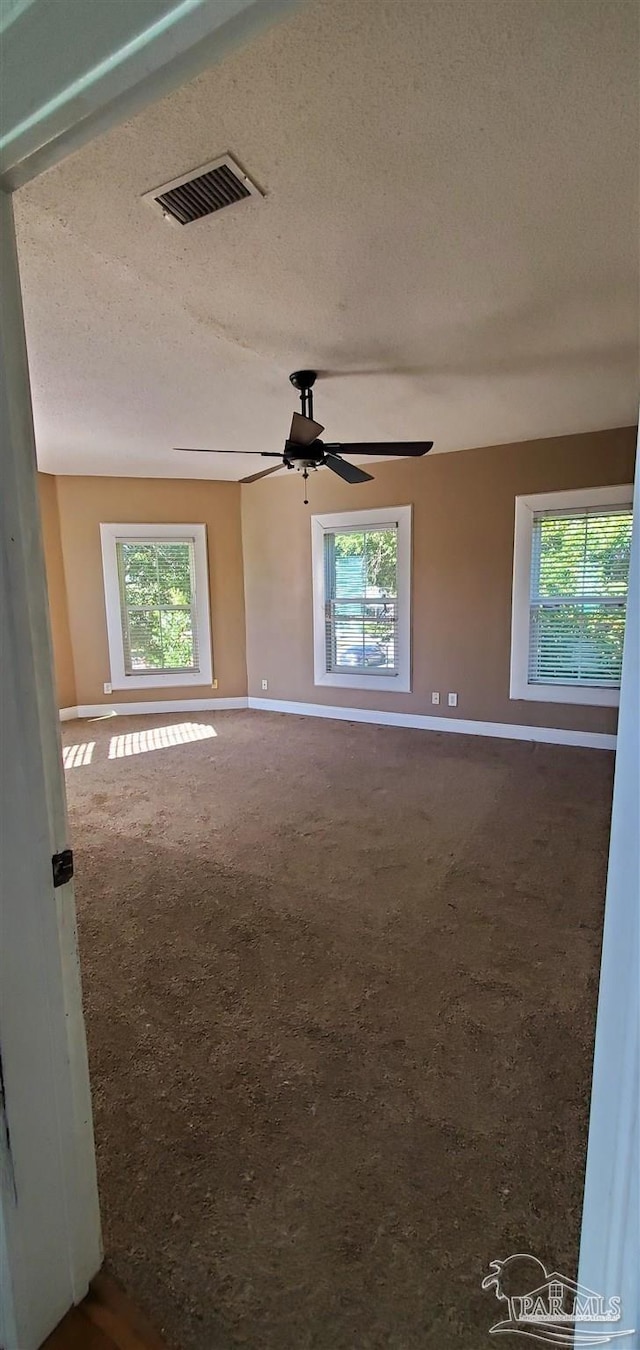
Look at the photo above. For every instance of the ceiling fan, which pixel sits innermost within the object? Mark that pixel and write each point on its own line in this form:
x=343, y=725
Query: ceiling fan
x=303, y=450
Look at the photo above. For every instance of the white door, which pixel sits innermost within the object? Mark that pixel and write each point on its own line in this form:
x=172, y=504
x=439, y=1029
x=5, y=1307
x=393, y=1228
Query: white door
x=49, y=1221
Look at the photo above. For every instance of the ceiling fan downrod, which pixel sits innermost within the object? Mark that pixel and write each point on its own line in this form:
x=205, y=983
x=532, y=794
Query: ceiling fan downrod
x=303, y=381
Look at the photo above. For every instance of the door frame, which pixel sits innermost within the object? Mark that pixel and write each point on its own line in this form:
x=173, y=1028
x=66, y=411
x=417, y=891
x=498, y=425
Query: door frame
x=50, y=1213
x=610, y=1238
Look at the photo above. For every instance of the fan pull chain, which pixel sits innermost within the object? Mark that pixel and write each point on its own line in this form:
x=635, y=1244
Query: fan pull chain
x=305, y=476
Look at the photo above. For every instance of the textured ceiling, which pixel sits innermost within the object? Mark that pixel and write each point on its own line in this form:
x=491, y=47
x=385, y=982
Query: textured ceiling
x=449, y=229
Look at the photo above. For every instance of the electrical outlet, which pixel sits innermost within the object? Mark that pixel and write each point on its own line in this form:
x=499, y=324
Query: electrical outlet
x=107, y=688
x=265, y=684
x=214, y=684
x=435, y=697
x=453, y=700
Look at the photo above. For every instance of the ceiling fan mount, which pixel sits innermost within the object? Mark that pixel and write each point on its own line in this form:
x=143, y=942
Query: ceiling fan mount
x=303, y=449
x=303, y=379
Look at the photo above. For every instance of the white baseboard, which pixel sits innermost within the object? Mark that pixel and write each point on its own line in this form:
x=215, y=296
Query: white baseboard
x=595, y=740
x=173, y=705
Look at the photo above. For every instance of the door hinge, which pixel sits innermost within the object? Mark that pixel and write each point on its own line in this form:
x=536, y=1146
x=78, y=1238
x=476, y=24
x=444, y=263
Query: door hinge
x=62, y=864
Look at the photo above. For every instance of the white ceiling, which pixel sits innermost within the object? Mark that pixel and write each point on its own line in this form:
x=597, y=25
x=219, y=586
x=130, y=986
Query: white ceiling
x=450, y=230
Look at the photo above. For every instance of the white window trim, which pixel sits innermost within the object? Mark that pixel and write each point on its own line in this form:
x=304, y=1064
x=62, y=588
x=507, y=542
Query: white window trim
x=354, y=520
x=520, y=687
x=110, y=535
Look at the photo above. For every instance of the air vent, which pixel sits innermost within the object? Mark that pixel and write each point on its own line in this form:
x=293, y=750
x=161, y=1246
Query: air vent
x=203, y=191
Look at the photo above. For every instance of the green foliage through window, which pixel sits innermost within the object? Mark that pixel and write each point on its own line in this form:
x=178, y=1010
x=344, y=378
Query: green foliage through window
x=157, y=601
x=361, y=600
x=579, y=577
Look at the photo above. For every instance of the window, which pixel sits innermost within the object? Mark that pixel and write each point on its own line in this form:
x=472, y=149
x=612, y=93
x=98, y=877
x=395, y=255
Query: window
x=571, y=567
x=361, y=598
x=156, y=593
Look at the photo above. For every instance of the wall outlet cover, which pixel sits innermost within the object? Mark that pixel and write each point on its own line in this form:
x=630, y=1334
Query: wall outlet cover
x=265, y=684
x=453, y=700
x=435, y=697
x=214, y=684
x=107, y=689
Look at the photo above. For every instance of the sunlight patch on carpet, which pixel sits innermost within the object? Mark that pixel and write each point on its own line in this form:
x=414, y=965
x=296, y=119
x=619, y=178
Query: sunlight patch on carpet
x=74, y=756
x=158, y=738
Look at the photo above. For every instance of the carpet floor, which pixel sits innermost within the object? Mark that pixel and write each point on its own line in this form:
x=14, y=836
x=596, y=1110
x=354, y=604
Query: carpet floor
x=340, y=985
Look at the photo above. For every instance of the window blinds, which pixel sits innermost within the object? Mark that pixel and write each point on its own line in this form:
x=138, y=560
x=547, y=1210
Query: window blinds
x=579, y=576
x=361, y=602
x=157, y=605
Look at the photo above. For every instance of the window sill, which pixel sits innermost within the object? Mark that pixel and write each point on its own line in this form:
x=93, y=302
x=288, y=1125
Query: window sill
x=566, y=693
x=359, y=680
x=158, y=681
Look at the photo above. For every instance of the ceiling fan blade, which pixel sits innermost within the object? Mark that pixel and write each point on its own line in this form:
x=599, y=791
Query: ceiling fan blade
x=206, y=450
x=350, y=472
x=408, y=449
x=303, y=430
x=253, y=477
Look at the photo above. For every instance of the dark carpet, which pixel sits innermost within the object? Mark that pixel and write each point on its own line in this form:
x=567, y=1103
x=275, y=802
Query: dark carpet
x=340, y=987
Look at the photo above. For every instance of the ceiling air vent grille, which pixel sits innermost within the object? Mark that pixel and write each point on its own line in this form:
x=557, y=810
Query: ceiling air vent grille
x=203, y=191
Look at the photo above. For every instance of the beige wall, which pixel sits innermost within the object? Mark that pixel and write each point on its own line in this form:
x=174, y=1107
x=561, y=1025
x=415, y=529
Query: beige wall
x=463, y=511
x=463, y=517
x=83, y=504
x=58, y=609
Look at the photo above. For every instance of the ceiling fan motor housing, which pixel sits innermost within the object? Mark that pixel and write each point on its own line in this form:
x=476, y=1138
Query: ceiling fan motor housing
x=303, y=457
